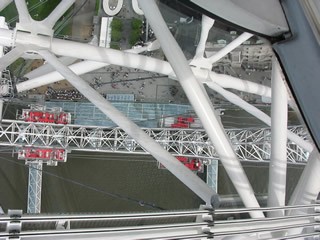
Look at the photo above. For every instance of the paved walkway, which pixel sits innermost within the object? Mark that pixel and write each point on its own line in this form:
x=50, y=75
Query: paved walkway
x=125, y=34
x=82, y=22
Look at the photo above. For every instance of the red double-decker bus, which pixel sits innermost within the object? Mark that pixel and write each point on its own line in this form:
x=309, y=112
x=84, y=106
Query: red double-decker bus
x=194, y=164
x=52, y=154
x=182, y=122
x=45, y=116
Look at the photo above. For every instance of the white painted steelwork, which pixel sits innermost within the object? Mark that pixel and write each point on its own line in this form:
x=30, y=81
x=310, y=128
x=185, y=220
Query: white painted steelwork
x=1, y=108
x=4, y=3
x=254, y=111
x=307, y=189
x=111, y=56
x=78, y=68
x=30, y=36
x=46, y=68
x=150, y=225
x=198, y=59
x=308, y=186
x=201, y=105
x=231, y=46
x=44, y=27
x=249, y=144
x=57, y=13
x=278, y=160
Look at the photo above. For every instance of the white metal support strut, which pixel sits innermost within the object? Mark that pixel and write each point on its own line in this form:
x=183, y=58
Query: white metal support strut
x=278, y=161
x=1, y=109
x=4, y=4
x=254, y=111
x=308, y=186
x=200, y=102
x=231, y=46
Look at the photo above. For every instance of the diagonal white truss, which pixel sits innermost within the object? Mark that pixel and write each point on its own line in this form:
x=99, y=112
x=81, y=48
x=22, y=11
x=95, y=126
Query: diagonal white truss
x=200, y=102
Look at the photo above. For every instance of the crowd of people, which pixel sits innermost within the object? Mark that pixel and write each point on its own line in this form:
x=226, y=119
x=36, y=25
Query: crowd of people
x=64, y=94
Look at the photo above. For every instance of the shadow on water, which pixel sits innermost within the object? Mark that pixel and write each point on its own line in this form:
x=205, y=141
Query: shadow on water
x=85, y=182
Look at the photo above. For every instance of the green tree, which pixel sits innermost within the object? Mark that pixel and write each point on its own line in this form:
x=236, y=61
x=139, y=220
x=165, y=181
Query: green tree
x=136, y=24
x=135, y=34
x=115, y=36
x=116, y=24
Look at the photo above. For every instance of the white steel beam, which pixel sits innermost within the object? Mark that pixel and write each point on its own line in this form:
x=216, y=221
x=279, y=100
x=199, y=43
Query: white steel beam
x=308, y=186
x=254, y=111
x=1, y=108
x=79, y=68
x=227, y=81
x=24, y=16
x=278, y=160
x=172, y=164
x=147, y=64
x=206, y=25
x=126, y=59
x=107, y=55
x=11, y=56
x=231, y=46
x=46, y=68
x=4, y=4
x=201, y=104
x=6, y=37
x=198, y=60
x=54, y=16
x=80, y=50
x=307, y=189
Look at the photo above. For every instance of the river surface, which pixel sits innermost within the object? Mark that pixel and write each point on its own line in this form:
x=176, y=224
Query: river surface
x=110, y=182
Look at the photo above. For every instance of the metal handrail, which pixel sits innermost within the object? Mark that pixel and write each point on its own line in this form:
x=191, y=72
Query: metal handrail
x=107, y=216
x=264, y=209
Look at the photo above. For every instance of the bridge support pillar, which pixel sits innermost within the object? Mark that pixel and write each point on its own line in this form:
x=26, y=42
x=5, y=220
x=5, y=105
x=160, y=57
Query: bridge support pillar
x=1, y=107
x=34, y=187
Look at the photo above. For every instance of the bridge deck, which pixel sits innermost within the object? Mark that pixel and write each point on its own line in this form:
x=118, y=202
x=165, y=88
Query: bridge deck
x=249, y=144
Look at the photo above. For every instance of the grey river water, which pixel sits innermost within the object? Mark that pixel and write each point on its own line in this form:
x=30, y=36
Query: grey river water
x=84, y=183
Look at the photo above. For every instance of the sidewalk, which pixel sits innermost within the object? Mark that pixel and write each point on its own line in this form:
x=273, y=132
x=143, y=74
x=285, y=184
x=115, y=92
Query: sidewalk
x=82, y=22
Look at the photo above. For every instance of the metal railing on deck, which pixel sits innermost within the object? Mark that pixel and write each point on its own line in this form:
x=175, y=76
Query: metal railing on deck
x=188, y=224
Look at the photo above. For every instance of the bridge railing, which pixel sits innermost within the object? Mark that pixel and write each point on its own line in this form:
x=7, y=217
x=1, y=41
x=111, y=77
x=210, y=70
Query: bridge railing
x=205, y=223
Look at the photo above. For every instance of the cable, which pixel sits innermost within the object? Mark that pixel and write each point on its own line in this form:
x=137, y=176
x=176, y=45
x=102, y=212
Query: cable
x=5, y=109
x=133, y=80
x=140, y=202
x=102, y=158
